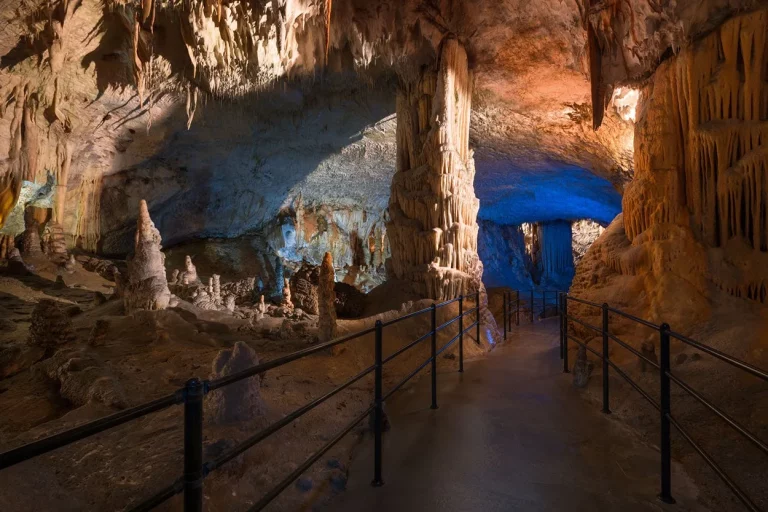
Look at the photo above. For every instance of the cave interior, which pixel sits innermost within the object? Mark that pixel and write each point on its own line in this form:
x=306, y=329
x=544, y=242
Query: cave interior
x=198, y=186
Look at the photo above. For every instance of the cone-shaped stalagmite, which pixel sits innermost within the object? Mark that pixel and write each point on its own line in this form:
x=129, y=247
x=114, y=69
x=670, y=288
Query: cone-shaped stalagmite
x=433, y=208
x=146, y=286
x=326, y=300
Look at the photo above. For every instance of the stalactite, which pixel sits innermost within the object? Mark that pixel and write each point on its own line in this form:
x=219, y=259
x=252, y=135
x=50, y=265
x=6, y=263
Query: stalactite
x=433, y=208
x=704, y=164
x=328, y=9
x=88, y=216
x=64, y=156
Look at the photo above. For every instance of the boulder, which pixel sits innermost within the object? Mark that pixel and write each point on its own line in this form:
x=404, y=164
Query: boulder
x=242, y=400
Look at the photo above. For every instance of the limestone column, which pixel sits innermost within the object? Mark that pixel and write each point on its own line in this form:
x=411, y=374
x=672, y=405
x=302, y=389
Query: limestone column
x=432, y=207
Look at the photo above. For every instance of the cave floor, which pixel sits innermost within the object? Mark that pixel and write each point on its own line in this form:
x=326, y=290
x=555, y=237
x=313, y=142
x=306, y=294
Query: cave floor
x=511, y=433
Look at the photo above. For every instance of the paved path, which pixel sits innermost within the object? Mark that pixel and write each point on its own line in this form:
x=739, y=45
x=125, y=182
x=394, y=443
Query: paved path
x=511, y=433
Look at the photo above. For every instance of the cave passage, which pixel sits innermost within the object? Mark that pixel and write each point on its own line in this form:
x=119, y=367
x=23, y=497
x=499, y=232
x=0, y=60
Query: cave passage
x=536, y=224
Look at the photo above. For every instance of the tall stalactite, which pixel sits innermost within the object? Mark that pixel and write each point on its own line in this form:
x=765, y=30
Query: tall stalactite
x=701, y=154
x=433, y=207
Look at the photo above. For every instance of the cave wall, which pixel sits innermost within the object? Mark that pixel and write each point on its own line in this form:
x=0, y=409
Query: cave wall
x=695, y=225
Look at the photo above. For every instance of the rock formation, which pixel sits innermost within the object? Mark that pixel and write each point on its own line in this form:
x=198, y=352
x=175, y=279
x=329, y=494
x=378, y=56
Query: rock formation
x=50, y=326
x=239, y=402
x=433, y=208
x=304, y=283
x=146, y=286
x=31, y=244
x=279, y=287
x=326, y=298
x=241, y=290
x=54, y=243
x=188, y=276
x=696, y=214
x=584, y=233
x=16, y=265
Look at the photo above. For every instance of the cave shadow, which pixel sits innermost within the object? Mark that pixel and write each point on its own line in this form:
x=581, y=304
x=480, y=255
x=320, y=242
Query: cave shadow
x=240, y=164
x=51, y=288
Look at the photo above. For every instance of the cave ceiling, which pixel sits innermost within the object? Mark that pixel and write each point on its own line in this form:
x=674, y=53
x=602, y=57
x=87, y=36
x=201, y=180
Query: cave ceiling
x=198, y=102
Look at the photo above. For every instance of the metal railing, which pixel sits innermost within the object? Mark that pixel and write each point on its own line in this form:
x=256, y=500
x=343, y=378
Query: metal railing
x=193, y=394
x=515, y=301
x=666, y=377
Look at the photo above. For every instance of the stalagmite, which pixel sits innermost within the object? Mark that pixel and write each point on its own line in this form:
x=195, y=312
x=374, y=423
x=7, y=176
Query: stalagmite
x=433, y=208
x=31, y=244
x=54, y=244
x=146, y=286
x=326, y=298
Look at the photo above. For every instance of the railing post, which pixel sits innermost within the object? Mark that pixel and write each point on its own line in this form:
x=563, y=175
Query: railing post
x=560, y=315
x=517, y=321
x=461, y=333
x=531, y=306
x=478, y=316
x=666, y=442
x=606, y=395
x=505, y=316
x=378, y=412
x=565, y=333
x=434, y=357
x=193, y=445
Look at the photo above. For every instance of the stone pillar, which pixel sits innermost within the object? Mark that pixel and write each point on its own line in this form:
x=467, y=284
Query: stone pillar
x=432, y=207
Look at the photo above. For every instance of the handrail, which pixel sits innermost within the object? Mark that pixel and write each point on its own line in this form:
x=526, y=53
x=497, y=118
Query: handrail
x=48, y=444
x=634, y=351
x=263, y=434
x=757, y=372
x=280, y=361
x=193, y=394
x=666, y=377
x=725, y=417
x=585, y=324
x=633, y=318
x=264, y=501
x=741, y=495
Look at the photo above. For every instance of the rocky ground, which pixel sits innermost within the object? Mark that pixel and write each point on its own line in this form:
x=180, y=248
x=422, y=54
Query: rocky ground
x=110, y=361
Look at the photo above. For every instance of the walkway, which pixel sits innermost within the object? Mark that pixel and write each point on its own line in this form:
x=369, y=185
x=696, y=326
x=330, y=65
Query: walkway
x=511, y=434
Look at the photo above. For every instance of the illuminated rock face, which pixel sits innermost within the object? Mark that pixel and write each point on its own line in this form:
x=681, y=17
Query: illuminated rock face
x=695, y=217
x=432, y=206
x=702, y=155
